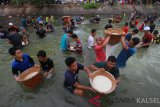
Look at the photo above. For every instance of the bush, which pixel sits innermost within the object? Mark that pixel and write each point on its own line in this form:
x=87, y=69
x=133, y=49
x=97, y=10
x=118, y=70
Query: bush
x=91, y=5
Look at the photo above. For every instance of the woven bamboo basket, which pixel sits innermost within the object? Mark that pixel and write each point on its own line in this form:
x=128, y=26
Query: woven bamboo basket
x=108, y=75
x=116, y=34
x=32, y=81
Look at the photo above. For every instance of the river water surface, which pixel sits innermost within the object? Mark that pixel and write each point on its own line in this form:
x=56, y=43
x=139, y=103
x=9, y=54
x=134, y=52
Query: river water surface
x=139, y=79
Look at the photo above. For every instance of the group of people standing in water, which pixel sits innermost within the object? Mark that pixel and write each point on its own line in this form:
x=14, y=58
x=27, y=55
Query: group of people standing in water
x=130, y=41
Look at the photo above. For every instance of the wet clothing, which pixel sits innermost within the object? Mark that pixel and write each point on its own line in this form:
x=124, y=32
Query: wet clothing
x=24, y=22
x=41, y=33
x=108, y=26
x=100, y=53
x=46, y=66
x=124, y=55
x=15, y=40
x=20, y=66
x=114, y=71
x=147, y=38
x=125, y=29
x=152, y=27
x=128, y=36
x=97, y=19
x=71, y=78
x=64, y=42
x=50, y=27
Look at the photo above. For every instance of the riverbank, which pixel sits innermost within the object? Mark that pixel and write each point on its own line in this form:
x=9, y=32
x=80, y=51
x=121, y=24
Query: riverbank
x=74, y=10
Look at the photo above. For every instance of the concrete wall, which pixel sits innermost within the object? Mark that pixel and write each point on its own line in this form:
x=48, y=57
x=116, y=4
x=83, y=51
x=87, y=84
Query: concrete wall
x=71, y=10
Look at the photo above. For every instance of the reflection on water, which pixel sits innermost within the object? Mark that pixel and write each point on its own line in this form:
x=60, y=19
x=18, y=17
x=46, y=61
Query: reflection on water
x=140, y=78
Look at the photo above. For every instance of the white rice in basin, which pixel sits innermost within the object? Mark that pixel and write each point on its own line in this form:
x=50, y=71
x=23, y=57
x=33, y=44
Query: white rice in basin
x=115, y=34
x=102, y=84
x=29, y=76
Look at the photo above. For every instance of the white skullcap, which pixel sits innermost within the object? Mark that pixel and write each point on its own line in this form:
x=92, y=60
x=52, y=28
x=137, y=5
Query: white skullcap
x=146, y=28
x=10, y=24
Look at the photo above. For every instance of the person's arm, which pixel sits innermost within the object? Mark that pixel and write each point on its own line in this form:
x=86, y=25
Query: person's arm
x=145, y=44
x=105, y=41
x=93, y=67
x=123, y=42
x=15, y=74
x=88, y=71
x=117, y=75
x=79, y=86
x=117, y=80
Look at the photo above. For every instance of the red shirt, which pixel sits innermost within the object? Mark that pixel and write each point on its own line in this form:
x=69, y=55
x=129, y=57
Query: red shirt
x=147, y=38
x=100, y=53
x=78, y=46
x=136, y=22
x=125, y=29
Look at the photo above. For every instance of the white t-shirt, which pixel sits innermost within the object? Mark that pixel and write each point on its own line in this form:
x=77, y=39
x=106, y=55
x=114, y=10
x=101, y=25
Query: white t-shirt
x=90, y=42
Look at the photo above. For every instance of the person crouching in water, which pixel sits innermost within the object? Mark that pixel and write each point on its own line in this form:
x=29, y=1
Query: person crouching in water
x=50, y=28
x=41, y=32
x=46, y=64
x=99, y=48
x=147, y=38
x=78, y=46
x=24, y=36
x=71, y=82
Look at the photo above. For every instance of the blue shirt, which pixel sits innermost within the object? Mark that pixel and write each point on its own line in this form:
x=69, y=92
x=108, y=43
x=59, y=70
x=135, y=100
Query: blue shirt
x=124, y=56
x=22, y=65
x=128, y=36
x=71, y=78
x=24, y=22
x=64, y=42
x=39, y=19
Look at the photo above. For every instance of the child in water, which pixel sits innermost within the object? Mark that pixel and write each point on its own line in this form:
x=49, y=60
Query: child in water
x=78, y=46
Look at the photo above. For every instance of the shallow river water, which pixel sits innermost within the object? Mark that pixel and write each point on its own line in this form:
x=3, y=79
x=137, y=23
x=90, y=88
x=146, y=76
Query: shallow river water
x=139, y=79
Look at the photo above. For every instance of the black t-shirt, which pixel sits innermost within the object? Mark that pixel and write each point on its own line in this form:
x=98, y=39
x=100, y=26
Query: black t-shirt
x=70, y=77
x=97, y=19
x=41, y=33
x=114, y=71
x=108, y=26
x=152, y=27
x=15, y=40
x=46, y=66
x=3, y=34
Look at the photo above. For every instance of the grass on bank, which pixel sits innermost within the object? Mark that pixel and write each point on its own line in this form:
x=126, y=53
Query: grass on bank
x=91, y=5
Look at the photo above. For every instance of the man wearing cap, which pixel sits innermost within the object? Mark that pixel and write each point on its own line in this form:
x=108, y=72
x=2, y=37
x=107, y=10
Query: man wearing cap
x=147, y=38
